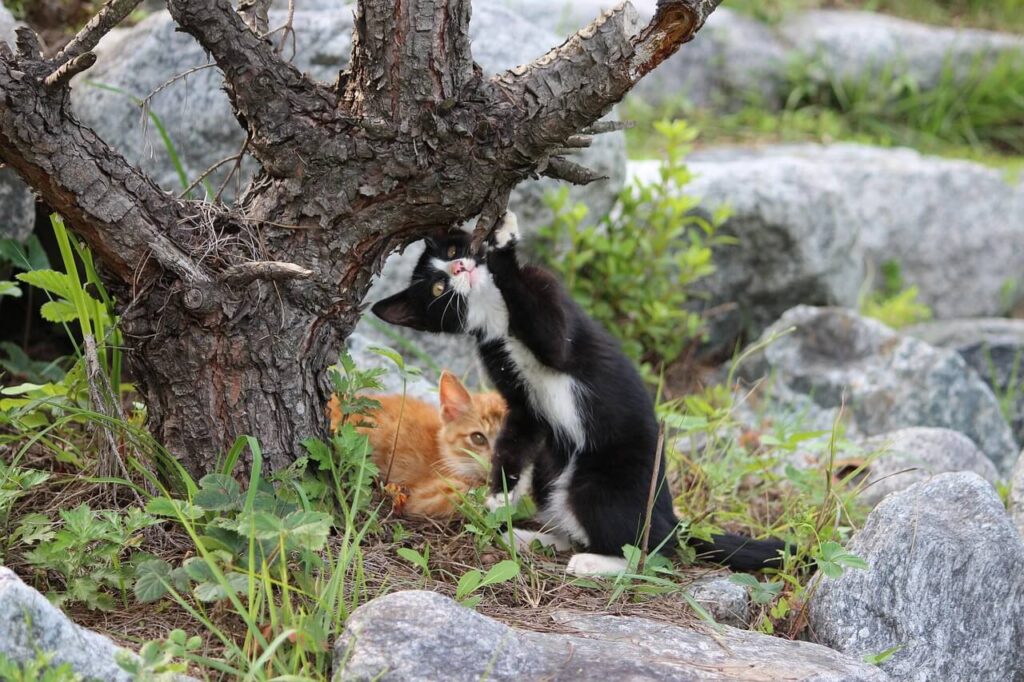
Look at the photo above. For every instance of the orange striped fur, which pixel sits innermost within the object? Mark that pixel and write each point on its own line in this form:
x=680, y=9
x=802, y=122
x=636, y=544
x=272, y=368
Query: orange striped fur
x=431, y=457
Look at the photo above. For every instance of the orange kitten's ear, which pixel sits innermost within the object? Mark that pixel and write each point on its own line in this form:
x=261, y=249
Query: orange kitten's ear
x=455, y=399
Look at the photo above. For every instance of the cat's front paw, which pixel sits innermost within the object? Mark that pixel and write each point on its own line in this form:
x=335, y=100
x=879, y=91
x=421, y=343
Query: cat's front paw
x=595, y=564
x=496, y=501
x=507, y=233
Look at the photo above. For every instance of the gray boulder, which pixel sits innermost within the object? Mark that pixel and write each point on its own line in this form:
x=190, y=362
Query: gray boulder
x=732, y=61
x=795, y=243
x=992, y=347
x=415, y=635
x=855, y=45
x=945, y=585
x=726, y=602
x=199, y=119
x=30, y=624
x=835, y=358
x=902, y=458
x=810, y=217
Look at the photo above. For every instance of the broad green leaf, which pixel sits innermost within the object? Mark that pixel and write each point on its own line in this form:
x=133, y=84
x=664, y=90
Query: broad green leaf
x=413, y=557
x=9, y=288
x=153, y=578
x=261, y=525
x=56, y=283
x=58, y=311
x=211, y=591
x=198, y=569
x=218, y=492
x=502, y=571
x=169, y=507
x=309, y=529
x=468, y=583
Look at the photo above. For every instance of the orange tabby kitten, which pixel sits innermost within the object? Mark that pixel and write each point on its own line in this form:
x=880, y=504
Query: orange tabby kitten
x=432, y=457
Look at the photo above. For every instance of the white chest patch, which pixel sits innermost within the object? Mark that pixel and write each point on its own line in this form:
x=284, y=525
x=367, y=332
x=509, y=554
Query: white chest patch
x=486, y=311
x=554, y=395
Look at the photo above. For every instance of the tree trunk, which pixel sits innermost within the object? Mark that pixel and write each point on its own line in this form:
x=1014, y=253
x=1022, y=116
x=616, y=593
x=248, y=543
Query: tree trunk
x=209, y=377
x=232, y=315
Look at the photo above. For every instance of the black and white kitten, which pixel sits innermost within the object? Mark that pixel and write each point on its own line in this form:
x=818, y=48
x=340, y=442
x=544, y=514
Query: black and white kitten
x=581, y=432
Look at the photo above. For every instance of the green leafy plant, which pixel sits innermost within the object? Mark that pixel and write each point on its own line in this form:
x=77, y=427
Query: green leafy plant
x=39, y=669
x=976, y=106
x=262, y=552
x=634, y=270
x=744, y=479
x=832, y=560
x=894, y=303
x=71, y=300
x=92, y=553
x=420, y=560
x=475, y=580
x=160, y=660
x=15, y=483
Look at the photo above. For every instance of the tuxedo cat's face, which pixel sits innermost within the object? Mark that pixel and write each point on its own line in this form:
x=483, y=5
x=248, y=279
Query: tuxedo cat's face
x=451, y=291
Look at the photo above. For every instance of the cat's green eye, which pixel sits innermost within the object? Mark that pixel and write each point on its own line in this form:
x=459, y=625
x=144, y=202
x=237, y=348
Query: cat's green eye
x=478, y=438
x=437, y=289
x=451, y=252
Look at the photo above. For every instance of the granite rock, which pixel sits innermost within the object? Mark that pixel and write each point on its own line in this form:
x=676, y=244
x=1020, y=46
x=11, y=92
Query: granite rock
x=834, y=359
x=414, y=636
x=945, y=585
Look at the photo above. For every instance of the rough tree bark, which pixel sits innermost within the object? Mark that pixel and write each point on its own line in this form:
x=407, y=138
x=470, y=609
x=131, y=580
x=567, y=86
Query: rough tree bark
x=232, y=315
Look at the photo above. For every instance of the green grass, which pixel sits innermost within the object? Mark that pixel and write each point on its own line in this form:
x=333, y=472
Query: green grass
x=997, y=15
x=976, y=115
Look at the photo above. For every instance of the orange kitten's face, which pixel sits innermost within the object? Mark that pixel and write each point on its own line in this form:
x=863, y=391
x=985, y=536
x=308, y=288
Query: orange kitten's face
x=470, y=425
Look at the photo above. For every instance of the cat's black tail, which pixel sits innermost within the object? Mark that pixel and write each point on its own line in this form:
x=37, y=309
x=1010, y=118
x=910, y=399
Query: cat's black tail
x=740, y=553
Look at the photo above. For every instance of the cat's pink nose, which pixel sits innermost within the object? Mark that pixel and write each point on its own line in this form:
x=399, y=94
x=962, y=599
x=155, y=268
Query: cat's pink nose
x=462, y=265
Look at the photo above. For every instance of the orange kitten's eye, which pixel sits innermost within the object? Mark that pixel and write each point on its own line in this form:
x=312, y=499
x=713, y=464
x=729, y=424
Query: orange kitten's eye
x=478, y=438
x=437, y=289
x=451, y=252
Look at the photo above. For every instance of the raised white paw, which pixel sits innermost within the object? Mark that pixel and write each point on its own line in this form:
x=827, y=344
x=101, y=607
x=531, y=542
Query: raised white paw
x=525, y=538
x=595, y=564
x=496, y=501
x=507, y=233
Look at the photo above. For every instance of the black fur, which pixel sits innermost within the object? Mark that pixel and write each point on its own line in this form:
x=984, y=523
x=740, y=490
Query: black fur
x=609, y=488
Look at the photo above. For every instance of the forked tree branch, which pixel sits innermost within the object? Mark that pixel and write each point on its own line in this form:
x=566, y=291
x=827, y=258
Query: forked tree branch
x=573, y=85
x=114, y=207
x=409, y=55
x=276, y=103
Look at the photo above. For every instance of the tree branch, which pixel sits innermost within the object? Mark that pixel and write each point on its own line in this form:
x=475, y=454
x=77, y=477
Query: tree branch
x=114, y=207
x=276, y=103
x=270, y=270
x=563, y=169
x=256, y=14
x=65, y=72
x=407, y=54
x=109, y=16
x=568, y=89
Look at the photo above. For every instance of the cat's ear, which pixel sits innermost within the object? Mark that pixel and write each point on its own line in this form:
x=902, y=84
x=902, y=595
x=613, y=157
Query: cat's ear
x=455, y=399
x=400, y=309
